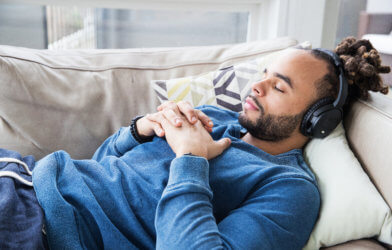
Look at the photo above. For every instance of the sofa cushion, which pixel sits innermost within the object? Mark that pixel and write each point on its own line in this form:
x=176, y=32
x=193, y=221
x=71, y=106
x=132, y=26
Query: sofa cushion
x=365, y=244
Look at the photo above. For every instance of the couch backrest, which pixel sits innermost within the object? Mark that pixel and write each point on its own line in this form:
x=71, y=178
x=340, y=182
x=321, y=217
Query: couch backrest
x=73, y=100
x=369, y=132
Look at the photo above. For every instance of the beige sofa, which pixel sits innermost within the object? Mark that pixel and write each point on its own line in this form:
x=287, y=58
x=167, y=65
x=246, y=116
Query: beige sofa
x=73, y=100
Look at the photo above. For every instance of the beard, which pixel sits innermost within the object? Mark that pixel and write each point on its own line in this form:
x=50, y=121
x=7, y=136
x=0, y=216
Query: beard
x=269, y=127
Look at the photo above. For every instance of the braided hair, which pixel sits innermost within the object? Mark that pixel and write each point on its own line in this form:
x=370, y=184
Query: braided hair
x=362, y=67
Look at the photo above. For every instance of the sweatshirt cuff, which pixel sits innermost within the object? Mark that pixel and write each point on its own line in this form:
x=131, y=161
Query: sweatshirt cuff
x=125, y=140
x=189, y=168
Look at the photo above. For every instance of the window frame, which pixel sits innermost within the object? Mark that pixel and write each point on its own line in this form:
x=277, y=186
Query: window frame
x=265, y=16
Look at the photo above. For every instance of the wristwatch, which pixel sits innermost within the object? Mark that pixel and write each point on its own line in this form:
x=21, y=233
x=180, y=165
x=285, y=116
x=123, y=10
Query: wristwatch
x=135, y=134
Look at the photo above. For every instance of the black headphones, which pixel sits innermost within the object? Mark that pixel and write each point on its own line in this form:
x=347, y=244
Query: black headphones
x=323, y=116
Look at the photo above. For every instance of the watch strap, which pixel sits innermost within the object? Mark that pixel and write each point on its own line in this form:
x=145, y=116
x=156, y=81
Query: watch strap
x=135, y=134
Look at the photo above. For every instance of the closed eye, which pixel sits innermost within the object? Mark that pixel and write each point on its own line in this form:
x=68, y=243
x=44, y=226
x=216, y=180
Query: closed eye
x=278, y=89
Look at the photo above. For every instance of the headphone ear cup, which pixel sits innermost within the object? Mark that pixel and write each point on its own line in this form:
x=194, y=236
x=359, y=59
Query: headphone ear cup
x=307, y=124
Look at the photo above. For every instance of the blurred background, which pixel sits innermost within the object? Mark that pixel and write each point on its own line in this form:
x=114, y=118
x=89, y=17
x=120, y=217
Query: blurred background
x=115, y=24
x=70, y=24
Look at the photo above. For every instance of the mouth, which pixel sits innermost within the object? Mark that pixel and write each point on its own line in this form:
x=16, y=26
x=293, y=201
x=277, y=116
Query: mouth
x=250, y=104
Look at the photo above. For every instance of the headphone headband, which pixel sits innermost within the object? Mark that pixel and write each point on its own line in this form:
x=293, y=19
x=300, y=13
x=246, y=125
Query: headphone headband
x=343, y=86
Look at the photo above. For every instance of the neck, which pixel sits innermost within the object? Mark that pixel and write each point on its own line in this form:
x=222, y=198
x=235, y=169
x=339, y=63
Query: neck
x=295, y=141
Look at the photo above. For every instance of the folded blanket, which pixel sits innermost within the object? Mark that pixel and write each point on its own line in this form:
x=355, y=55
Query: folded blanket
x=21, y=217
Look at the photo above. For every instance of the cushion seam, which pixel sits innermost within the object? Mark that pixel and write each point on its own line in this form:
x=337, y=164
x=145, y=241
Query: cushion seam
x=375, y=108
x=256, y=53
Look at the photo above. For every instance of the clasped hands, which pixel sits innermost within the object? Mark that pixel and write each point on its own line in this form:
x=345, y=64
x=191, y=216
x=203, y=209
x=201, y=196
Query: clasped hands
x=186, y=130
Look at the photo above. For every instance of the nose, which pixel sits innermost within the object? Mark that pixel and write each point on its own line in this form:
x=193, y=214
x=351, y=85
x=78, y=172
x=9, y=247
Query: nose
x=259, y=87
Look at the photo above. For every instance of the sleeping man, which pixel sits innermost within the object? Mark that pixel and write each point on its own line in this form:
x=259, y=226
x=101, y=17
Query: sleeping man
x=210, y=178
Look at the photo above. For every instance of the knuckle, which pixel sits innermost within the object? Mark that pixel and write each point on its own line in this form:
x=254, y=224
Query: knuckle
x=167, y=104
x=172, y=105
x=200, y=114
x=160, y=115
x=169, y=113
x=181, y=103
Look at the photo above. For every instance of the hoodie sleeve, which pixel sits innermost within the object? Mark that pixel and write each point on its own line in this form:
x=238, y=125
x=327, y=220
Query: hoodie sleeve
x=278, y=215
x=117, y=144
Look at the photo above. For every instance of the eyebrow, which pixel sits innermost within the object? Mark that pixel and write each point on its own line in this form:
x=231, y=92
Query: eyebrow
x=283, y=77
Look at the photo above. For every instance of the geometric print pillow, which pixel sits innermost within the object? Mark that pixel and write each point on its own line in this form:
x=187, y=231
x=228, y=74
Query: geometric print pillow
x=226, y=88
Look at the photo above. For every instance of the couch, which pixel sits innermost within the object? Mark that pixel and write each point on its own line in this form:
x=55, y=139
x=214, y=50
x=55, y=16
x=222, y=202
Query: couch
x=73, y=100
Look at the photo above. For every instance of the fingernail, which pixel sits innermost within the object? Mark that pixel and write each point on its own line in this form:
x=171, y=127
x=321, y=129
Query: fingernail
x=193, y=119
x=159, y=131
x=210, y=123
x=178, y=121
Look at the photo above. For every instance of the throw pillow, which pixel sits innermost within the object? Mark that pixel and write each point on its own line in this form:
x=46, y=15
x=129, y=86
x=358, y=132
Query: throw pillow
x=226, y=88
x=351, y=207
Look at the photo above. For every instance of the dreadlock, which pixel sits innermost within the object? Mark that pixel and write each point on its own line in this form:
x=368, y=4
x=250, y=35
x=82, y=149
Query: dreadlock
x=362, y=66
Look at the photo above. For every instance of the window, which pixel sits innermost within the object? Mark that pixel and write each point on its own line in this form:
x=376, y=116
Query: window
x=77, y=27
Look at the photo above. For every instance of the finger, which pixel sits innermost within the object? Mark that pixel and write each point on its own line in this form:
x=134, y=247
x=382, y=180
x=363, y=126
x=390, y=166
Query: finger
x=209, y=129
x=158, y=118
x=172, y=117
x=167, y=104
x=187, y=109
x=158, y=130
x=204, y=118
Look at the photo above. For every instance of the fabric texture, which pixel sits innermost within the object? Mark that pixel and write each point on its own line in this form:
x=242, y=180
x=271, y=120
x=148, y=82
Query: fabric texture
x=139, y=196
x=53, y=100
x=21, y=217
x=351, y=206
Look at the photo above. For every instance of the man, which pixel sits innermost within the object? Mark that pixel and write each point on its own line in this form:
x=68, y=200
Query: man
x=242, y=184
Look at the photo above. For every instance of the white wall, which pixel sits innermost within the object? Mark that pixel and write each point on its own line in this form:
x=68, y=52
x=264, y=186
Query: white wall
x=314, y=21
x=380, y=6
x=349, y=18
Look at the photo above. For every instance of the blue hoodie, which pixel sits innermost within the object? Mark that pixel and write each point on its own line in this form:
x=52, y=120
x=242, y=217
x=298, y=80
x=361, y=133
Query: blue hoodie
x=140, y=196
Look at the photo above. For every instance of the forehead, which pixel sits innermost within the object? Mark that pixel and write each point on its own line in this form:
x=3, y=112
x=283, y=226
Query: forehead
x=300, y=66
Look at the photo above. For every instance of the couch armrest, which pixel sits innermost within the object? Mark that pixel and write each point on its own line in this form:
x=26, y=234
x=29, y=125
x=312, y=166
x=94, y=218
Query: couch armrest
x=369, y=133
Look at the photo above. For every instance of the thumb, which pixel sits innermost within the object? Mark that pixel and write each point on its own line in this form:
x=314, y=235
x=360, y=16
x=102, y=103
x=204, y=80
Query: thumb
x=220, y=146
x=224, y=143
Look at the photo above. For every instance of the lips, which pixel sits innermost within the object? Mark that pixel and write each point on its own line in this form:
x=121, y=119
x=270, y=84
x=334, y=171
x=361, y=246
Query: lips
x=249, y=104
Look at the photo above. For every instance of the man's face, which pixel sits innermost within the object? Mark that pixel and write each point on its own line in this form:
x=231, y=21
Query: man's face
x=275, y=107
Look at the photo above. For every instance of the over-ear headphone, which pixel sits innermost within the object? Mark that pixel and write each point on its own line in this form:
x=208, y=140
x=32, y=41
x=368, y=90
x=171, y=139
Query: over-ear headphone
x=323, y=116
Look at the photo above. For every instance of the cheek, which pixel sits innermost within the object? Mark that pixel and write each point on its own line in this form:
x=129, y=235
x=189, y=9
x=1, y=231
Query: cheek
x=285, y=106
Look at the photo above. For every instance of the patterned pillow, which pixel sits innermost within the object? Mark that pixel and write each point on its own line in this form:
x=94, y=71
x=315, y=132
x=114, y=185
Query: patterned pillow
x=227, y=87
